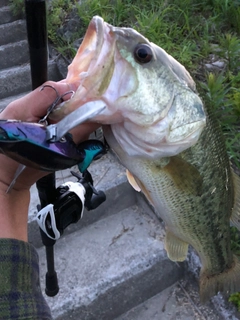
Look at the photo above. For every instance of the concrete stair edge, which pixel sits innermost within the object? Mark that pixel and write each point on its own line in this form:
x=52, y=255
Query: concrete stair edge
x=14, y=54
x=12, y=31
x=12, y=75
x=4, y=3
x=6, y=14
x=179, y=301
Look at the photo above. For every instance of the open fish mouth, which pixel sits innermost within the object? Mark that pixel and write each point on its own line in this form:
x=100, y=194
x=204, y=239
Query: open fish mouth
x=91, y=71
x=89, y=51
x=94, y=64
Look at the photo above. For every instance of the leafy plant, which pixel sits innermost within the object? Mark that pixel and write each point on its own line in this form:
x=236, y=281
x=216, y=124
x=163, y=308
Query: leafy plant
x=235, y=299
x=235, y=246
x=17, y=6
x=230, y=49
x=58, y=11
x=235, y=241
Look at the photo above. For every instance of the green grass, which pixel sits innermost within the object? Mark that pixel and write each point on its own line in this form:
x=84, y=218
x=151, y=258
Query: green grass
x=235, y=245
x=17, y=6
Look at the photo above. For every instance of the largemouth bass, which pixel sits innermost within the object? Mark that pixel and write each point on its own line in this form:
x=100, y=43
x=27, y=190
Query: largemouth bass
x=159, y=128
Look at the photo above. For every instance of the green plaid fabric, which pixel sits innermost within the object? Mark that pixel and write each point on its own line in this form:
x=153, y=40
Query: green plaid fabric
x=20, y=293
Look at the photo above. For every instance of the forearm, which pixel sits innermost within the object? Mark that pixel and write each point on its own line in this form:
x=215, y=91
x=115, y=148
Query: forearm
x=14, y=213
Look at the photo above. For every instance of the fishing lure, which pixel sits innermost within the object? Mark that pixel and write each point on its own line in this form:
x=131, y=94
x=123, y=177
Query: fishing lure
x=50, y=148
x=27, y=143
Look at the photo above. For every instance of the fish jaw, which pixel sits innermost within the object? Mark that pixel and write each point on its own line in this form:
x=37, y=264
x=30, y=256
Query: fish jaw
x=89, y=49
x=92, y=71
x=153, y=108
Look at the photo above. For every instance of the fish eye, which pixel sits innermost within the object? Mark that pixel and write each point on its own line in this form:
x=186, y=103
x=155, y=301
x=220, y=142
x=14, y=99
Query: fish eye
x=143, y=53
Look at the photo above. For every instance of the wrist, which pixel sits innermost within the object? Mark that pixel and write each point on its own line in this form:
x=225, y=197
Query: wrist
x=14, y=213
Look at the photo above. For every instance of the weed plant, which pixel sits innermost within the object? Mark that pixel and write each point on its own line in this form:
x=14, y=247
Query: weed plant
x=17, y=6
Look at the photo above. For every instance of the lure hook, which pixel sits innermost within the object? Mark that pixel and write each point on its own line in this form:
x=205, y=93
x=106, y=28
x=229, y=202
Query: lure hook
x=58, y=99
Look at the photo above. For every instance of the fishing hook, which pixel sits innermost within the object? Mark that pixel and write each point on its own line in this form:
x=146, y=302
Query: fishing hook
x=58, y=99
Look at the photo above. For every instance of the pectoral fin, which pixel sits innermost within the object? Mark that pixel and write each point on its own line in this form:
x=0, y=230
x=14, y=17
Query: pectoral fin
x=235, y=217
x=176, y=248
x=132, y=181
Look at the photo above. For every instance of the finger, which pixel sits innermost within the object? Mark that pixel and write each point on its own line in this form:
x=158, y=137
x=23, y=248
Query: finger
x=33, y=106
x=26, y=179
x=82, y=132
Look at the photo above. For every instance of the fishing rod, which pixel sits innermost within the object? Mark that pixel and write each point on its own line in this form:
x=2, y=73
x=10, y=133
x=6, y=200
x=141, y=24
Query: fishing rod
x=59, y=207
x=36, y=22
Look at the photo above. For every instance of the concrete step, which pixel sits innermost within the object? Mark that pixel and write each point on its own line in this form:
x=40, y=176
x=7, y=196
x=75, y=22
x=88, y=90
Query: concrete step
x=110, y=266
x=13, y=32
x=16, y=80
x=6, y=14
x=179, y=301
x=4, y=3
x=14, y=54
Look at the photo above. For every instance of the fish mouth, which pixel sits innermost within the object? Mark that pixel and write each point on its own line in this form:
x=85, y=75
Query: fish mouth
x=88, y=51
x=92, y=68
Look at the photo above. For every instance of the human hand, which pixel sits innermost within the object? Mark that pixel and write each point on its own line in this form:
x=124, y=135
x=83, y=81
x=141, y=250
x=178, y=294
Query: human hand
x=14, y=205
x=33, y=107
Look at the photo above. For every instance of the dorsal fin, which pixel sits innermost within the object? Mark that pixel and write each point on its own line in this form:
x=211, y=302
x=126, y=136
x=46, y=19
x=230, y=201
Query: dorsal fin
x=235, y=217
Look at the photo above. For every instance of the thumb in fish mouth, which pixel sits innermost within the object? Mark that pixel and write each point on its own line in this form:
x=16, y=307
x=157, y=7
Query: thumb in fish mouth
x=82, y=131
